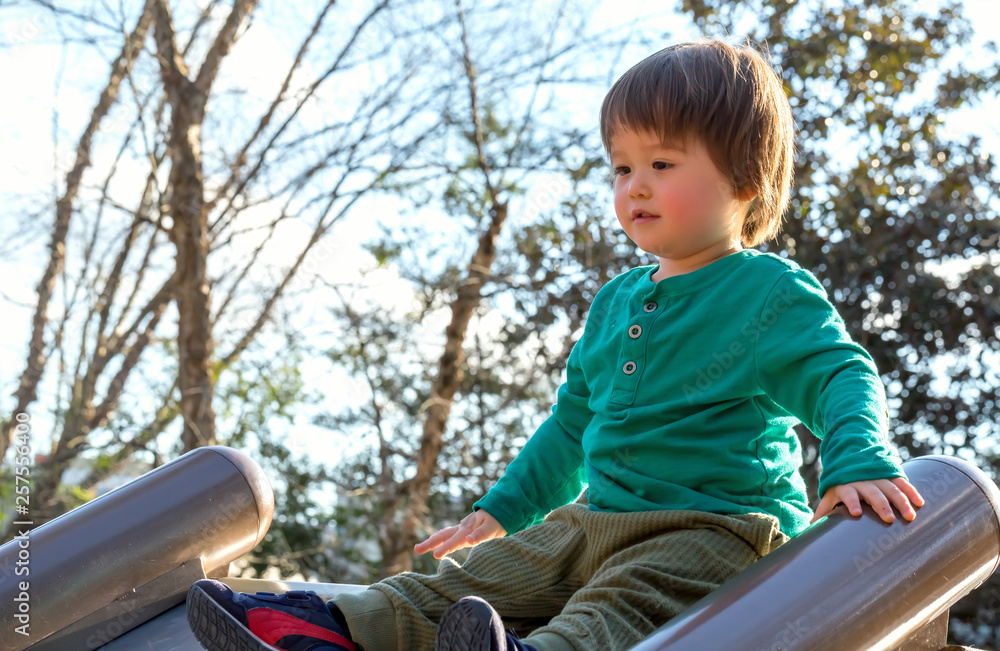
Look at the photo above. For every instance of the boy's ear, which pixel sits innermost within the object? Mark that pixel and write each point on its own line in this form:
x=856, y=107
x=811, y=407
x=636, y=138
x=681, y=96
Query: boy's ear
x=745, y=194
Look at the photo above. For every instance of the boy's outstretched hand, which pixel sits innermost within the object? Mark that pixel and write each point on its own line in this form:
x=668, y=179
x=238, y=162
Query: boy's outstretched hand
x=479, y=526
x=878, y=493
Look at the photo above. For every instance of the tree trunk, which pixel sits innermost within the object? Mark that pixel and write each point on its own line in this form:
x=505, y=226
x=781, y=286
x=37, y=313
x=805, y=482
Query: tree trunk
x=189, y=234
x=189, y=231
x=451, y=364
x=449, y=379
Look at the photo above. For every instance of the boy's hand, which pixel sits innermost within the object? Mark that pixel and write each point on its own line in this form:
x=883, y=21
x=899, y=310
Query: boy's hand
x=477, y=527
x=878, y=493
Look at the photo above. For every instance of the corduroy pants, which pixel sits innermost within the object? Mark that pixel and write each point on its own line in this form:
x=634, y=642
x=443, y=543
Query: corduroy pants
x=606, y=580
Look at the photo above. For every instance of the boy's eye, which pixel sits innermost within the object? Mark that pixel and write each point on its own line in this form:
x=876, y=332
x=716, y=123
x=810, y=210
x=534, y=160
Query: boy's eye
x=657, y=165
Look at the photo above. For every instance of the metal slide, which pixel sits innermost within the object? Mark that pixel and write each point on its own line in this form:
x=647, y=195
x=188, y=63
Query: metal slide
x=113, y=574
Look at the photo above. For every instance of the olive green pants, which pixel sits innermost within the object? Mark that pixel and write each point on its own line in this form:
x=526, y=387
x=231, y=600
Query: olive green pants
x=593, y=580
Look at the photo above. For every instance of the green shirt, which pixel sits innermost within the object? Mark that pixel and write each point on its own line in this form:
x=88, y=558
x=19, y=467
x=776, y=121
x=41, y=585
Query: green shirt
x=682, y=394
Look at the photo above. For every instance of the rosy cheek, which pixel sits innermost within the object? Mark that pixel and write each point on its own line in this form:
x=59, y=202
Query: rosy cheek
x=679, y=203
x=686, y=203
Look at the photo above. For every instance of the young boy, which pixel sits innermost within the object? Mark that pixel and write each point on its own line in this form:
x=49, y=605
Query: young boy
x=677, y=410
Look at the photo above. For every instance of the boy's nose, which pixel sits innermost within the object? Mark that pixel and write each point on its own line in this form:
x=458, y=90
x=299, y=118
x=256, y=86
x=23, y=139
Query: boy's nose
x=638, y=189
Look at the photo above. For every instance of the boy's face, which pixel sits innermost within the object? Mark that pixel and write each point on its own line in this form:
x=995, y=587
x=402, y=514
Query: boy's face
x=688, y=207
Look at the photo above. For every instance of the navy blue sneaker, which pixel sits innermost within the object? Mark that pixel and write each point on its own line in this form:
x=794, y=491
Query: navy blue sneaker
x=471, y=624
x=298, y=620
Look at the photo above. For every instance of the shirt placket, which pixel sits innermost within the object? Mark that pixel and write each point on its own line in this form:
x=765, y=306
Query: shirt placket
x=632, y=358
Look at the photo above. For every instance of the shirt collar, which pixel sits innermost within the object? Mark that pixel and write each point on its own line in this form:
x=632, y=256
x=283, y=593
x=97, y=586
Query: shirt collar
x=693, y=280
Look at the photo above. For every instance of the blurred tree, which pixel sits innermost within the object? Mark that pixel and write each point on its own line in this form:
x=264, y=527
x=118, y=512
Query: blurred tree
x=477, y=397
x=110, y=261
x=186, y=208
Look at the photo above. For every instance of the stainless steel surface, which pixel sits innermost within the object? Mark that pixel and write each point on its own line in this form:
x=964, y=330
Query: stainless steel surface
x=856, y=582
x=168, y=632
x=932, y=636
x=132, y=552
x=112, y=574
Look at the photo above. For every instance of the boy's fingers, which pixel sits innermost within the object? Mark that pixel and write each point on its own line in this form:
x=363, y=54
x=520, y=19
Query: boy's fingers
x=456, y=542
x=475, y=538
x=431, y=538
x=480, y=533
x=849, y=496
x=436, y=537
x=444, y=541
x=822, y=509
x=442, y=550
x=881, y=494
x=909, y=490
x=878, y=501
x=900, y=499
x=428, y=542
x=424, y=547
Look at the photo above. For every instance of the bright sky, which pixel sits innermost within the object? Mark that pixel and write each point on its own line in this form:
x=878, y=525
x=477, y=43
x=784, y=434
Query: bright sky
x=30, y=69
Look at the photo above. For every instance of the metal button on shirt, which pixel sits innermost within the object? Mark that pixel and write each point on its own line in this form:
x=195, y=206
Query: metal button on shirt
x=629, y=368
x=635, y=331
x=650, y=306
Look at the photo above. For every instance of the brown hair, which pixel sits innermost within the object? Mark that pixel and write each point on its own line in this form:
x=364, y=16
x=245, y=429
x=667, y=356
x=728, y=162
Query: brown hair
x=728, y=97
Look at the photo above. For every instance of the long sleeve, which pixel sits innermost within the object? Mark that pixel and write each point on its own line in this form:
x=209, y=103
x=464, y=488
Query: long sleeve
x=549, y=471
x=808, y=365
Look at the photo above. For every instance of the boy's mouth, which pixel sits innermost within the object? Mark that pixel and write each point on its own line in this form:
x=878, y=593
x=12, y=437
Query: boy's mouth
x=639, y=216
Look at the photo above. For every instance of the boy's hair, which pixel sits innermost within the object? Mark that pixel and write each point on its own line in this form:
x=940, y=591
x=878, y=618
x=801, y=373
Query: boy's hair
x=728, y=97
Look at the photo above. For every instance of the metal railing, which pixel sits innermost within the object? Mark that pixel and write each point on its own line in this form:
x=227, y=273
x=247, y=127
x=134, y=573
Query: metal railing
x=856, y=583
x=131, y=554
x=846, y=583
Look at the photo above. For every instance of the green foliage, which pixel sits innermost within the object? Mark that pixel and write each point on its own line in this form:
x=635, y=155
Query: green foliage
x=74, y=496
x=261, y=385
x=875, y=223
x=264, y=386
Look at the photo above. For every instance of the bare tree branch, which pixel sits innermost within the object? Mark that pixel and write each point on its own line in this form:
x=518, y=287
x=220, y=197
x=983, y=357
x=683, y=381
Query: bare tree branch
x=323, y=225
x=35, y=365
x=219, y=221
x=224, y=42
x=165, y=415
x=265, y=120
